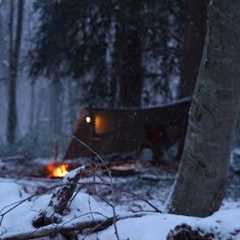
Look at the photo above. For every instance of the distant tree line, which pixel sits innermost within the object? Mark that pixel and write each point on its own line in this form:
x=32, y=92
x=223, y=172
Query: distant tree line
x=118, y=53
x=130, y=49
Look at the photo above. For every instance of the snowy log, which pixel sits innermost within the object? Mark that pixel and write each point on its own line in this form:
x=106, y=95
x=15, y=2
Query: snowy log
x=186, y=232
x=76, y=227
x=59, y=200
x=79, y=227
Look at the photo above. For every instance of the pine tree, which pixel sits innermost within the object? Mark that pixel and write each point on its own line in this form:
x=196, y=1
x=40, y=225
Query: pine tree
x=92, y=36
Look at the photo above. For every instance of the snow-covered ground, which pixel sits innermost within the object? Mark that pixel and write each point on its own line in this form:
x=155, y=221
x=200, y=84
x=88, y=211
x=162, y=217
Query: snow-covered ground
x=143, y=193
x=20, y=202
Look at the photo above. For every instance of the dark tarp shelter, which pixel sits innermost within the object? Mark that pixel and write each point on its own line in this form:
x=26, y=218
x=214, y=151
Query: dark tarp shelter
x=110, y=131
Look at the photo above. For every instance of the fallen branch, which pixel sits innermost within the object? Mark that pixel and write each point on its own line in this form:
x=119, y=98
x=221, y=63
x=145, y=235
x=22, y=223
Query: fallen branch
x=10, y=207
x=79, y=227
x=55, y=229
x=59, y=200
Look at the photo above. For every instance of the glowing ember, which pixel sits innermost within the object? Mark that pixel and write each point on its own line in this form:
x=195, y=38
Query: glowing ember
x=57, y=169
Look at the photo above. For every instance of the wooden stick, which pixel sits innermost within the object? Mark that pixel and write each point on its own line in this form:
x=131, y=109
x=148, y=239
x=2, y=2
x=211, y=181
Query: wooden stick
x=59, y=200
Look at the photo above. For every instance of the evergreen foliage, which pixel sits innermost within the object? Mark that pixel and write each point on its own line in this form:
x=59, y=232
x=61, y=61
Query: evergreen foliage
x=78, y=38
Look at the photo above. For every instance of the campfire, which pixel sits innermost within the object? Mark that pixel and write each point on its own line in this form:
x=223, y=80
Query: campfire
x=56, y=170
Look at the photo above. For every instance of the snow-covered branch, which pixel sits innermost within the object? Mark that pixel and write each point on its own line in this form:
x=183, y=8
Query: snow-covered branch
x=59, y=200
x=76, y=226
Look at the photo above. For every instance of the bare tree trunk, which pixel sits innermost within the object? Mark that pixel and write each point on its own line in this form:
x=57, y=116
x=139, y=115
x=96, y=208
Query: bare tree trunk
x=70, y=105
x=194, y=36
x=55, y=113
x=2, y=41
x=131, y=71
x=11, y=123
x=115, y=68
x=32, y=106
x=14, y=52
x=41, y=93
x=200, y=184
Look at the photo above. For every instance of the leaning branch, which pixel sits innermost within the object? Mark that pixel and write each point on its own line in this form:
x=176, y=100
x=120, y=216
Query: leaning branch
x=59, y=200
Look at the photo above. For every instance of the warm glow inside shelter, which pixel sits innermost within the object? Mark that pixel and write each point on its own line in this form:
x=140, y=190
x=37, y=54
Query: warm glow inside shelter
x=110, y=131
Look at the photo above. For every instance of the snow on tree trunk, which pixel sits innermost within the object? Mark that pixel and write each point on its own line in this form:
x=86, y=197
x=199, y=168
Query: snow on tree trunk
x=200, y=184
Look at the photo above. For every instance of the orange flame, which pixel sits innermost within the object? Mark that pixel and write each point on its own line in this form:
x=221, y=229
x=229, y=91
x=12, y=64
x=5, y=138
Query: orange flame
x=57, y=169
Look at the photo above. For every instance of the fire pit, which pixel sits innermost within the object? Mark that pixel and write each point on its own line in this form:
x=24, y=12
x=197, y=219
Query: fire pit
x=57, y=170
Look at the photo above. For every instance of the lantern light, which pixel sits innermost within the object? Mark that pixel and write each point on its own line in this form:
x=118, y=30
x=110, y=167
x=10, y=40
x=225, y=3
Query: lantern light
x=88, y=119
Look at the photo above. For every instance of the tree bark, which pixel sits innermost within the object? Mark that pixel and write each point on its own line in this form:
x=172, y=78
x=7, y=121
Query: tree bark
x=55, y=114
x=194, y=36
x=200, y=184
x=114, y=84
x=32, y=106
x=131, y=71
x=70, y=105
x=14, y=52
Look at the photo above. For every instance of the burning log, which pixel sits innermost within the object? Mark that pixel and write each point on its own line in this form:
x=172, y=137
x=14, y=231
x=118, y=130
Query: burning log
x=60, y=170
x=56, y=170
x=59, y=200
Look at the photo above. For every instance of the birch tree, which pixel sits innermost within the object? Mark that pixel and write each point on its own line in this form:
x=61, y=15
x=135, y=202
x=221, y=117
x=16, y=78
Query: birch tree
x=200, y=184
